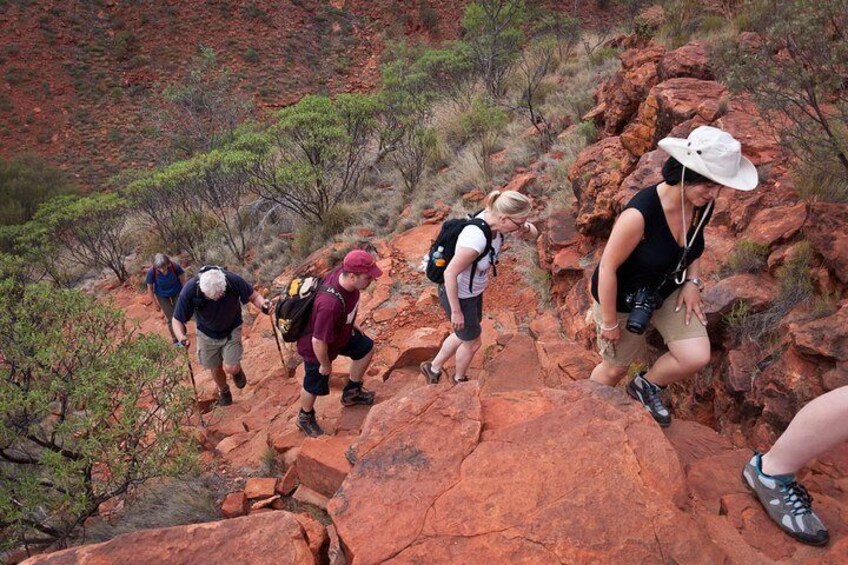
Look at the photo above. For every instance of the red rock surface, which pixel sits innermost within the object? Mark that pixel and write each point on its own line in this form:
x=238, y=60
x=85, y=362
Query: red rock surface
x=321, y=463
x=273, y=537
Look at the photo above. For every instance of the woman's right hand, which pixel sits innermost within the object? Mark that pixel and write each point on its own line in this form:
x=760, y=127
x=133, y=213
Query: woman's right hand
x=612, y=335
x=457, y=320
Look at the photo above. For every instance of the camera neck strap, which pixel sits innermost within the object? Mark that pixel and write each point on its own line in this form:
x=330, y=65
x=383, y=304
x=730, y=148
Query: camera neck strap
x=679, y=273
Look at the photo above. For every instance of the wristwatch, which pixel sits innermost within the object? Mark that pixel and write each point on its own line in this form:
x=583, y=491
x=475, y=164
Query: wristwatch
x=697, y=281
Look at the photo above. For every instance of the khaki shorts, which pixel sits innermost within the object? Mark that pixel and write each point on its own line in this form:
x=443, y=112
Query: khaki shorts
x=212, y=353
x=671, y=325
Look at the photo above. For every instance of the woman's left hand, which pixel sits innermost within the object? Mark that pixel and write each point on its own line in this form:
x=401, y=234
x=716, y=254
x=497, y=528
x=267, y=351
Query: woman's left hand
x=530, y=231
x=690, y=297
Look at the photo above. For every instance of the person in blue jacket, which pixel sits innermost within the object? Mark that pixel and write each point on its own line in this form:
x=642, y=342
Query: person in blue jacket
x=165, y=280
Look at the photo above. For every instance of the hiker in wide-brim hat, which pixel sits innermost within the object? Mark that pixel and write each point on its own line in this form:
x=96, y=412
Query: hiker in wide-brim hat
x=650, y=273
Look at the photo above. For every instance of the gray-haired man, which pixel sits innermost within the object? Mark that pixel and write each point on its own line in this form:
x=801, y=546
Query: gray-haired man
x=216, y=297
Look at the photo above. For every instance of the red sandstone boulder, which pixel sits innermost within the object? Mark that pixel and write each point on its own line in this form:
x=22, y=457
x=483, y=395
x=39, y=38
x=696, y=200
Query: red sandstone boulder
x=413, y=244
x=559, y=229
x=668, y=104
x=691, y=60
x=777, y=224
x=264, y=538
x=618, y=99
x=521, y=182
x=825, y=229
x=595, y=177
x=531, y=488
x=516, y=367
x=755, y=291
x=825, y=337
x=321, y=463
x=234, y=505
x=414, y=346
x=260, y=487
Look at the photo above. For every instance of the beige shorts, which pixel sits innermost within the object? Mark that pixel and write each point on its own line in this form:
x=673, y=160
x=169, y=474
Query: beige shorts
x=212, y=353
x=671, y=325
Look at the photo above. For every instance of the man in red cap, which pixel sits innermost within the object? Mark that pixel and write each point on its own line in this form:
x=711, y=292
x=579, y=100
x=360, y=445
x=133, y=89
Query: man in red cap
x=331, y=332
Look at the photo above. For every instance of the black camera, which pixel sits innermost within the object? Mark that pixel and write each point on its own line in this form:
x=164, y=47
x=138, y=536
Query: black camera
x=642, y=304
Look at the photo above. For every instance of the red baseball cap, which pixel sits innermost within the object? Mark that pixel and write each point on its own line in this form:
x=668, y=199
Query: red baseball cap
x=360, y=261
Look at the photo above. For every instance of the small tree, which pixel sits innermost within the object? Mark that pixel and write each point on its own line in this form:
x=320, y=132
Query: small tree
x=411, y=154
x=205, y=109
x=484, y=122
x=313, y=157
x=220, y=179
x=172, y=209
x=536, y=61
x=795, y=70
x=493, y=32
x=92, y=230
x=87, y=410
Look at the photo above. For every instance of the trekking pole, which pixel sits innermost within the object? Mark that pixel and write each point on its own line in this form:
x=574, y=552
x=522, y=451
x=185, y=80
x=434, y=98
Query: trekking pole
x=193, y=385
x=277, y=338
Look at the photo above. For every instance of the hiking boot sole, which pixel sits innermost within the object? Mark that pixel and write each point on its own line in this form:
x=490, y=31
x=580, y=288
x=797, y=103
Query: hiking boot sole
x=362, y=402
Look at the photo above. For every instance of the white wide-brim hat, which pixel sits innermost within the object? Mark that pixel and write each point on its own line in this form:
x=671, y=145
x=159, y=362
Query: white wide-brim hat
x=714, y=154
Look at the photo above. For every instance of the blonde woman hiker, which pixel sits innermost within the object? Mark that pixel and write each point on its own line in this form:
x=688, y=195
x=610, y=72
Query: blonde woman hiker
x=463, y=255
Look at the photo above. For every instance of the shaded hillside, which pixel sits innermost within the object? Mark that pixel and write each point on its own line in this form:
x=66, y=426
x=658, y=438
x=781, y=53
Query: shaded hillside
x=81, y=81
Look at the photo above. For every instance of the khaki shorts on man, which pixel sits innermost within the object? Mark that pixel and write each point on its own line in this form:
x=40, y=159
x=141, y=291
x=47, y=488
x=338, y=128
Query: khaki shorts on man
x=212, y=353
x=670, y=324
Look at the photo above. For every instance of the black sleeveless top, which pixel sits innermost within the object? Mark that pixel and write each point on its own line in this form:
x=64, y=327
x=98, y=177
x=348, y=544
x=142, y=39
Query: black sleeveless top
x=657, y=254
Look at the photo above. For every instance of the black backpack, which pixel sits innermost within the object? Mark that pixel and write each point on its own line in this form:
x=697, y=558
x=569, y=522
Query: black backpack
x=444, y=248
x=295, y=307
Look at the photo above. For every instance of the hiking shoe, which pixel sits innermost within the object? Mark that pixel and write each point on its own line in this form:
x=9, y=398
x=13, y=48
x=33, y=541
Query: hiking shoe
x=786, y=502
x=429, y=374
x=239, y=379
x=225, y=397
x=648, y=394
x=308, y=424
x=357, y=395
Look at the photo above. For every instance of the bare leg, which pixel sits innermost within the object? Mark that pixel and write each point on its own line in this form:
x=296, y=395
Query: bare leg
x=817, y=427
x=359, y=366
x=232, y=369
x=219, y=377
x=683, y=359
x=608, y=374
x=307, y=401
x=464, y=355
x=448, y=349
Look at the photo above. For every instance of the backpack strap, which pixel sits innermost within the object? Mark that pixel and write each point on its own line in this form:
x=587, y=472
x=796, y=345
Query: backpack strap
x=334, y=292
x=487, y=232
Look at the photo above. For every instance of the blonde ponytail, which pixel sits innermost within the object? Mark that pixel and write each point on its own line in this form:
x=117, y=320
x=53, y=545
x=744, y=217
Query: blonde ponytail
x=508, y=203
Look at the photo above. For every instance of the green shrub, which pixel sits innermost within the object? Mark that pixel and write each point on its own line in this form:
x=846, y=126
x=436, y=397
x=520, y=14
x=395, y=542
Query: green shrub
x=111, y=418
x=747, y=257
x=601, y=55
x=25, y=182
x=825, y=182
x=251, y=55
x=125, y=45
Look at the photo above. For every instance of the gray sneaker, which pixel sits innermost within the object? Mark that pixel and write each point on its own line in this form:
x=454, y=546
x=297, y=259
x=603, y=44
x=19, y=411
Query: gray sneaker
x=308, y=424
x=432, y=377
x=648, y=394
x=786, y=502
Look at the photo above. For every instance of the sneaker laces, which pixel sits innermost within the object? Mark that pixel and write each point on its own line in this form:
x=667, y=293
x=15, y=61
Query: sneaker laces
x=799, y=498
x=653, y=392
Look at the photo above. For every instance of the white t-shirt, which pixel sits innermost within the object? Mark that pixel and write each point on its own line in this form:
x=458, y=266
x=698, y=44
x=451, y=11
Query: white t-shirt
x=473, y=237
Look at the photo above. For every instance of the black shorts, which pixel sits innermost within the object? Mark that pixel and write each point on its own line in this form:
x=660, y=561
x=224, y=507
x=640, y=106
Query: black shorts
x=315, y=383
x=472, y=311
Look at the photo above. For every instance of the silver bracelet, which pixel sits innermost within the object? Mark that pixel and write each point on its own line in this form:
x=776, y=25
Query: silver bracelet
x=609, y=329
